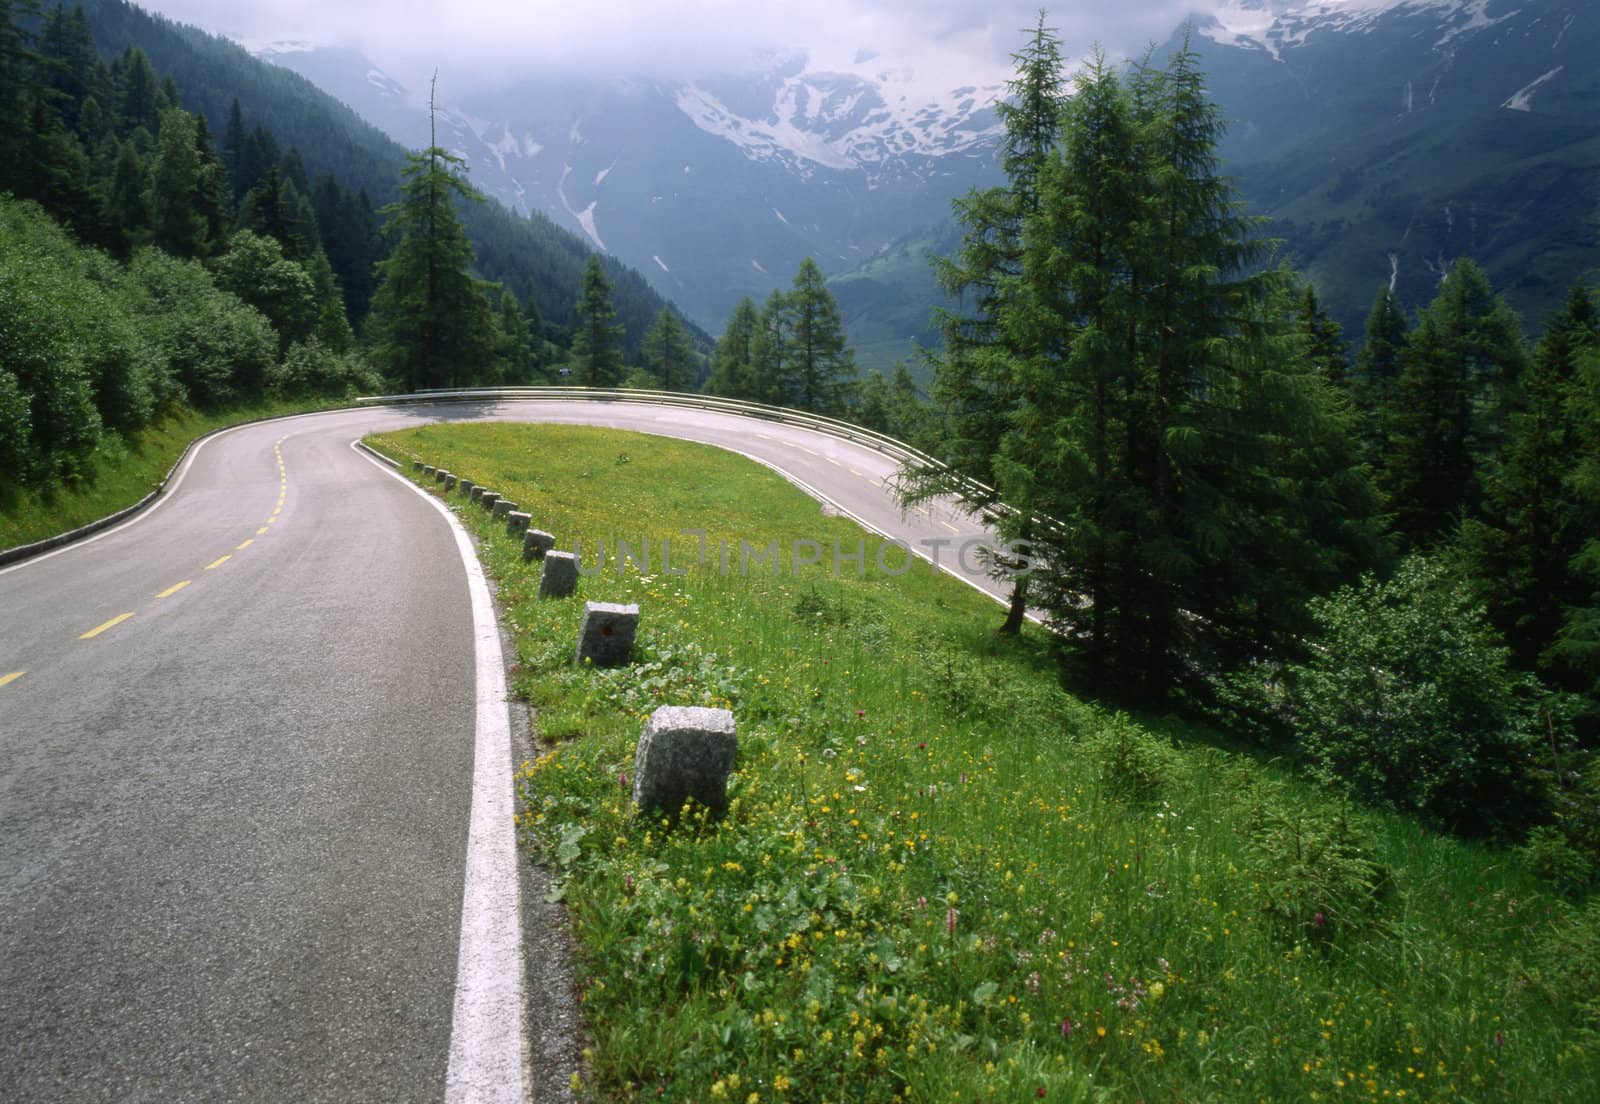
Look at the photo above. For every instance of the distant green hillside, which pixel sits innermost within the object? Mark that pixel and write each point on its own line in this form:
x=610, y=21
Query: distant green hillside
x=532, y=257
x=888, y=303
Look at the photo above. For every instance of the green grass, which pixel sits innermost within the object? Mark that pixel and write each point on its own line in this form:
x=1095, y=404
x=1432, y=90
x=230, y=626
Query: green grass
x=124, y=470
x=941, y=877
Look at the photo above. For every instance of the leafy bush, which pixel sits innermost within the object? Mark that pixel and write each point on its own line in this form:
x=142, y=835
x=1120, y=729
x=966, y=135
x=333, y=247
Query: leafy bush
x=1409, y=701
x=255, y=270
x=310, y=369
x=220, y=349
x=1568, y=966
x=40, y=307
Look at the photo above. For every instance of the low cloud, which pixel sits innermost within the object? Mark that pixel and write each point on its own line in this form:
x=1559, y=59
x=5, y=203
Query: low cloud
x=477, y=41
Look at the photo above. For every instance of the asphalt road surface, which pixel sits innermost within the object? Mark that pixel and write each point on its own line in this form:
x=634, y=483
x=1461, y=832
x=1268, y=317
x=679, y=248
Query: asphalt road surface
x=236, y=765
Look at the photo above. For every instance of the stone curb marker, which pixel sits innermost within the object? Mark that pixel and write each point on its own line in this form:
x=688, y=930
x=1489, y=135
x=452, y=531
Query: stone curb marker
x=685, y=752
x=489, y=499
x=560, y=576
x=605, y=638
x=517, y=523
x=503, y=507
x=535, y=543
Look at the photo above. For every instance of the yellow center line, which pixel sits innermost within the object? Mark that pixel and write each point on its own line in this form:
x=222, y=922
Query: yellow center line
x=171, y=590
x=111, y=624
x=261, y=532
x=218, y=562
x=948, y=526
x=7, y=680
x=245, y=545
x=857, y=474
x=807, y=451
x=834, y=462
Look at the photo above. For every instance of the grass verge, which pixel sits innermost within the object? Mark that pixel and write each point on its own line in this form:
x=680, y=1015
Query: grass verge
x=943, y=878
x=125, y=469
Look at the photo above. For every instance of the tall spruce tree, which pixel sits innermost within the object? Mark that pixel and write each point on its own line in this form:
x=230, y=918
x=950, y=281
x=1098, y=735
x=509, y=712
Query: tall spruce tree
x=1323, y=337
x=432, y=325
x=733, y=359
x=1449, y=407
x=667, y=355
x=822, y=363
x=1376, y=369
x=1534, y=522
x=1199, y=470
x=975, y=387
x=771, y=361
x=596, y=342
x=176, y=183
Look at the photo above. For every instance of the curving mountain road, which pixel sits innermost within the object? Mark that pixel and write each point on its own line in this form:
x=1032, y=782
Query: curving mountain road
x=237, y=768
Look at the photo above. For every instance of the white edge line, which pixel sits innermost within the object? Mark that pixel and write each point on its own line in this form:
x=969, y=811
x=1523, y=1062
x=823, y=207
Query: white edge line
x=486, y=1032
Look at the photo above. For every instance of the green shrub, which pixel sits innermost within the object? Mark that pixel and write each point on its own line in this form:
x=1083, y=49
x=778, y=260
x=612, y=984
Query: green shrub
x=311, y=369
x=1133, y=765
x=1409, y=701
x=220, y=349
x=1550, y=857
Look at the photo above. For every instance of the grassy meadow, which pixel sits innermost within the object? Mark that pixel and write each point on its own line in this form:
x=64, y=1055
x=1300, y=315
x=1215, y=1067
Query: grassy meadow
x=941, y=876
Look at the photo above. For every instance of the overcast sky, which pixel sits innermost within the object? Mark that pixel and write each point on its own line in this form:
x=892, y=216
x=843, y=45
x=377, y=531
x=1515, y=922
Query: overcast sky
x=958, y=41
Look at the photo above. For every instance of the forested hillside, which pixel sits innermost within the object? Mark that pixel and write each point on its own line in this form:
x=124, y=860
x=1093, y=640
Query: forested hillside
x=538, y=262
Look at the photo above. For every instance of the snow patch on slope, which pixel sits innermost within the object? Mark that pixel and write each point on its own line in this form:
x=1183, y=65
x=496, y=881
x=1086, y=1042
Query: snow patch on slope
x=1522, y=99
x=851, y=117
x=585, y=217
x=1275, y=25
x=660, y=262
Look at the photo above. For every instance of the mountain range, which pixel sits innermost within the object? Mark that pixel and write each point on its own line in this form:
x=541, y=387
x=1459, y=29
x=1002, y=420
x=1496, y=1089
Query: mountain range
x=715, y=188
x=1380, y=139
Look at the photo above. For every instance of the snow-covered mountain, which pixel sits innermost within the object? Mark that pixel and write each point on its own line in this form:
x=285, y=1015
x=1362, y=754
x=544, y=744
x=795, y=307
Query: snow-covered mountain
x=716, y=187
x=1386, y=138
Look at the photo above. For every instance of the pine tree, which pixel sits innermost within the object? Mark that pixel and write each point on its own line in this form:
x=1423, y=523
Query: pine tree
x=823, y=364
x=138, y=94
x=1377, y=368
x=1576, y=651
x=733, y=359
x=771, y=363
x=432, y=325
x=596, y=351
x=667, y=354
x=1533, y=522
x=1324, y=339
x=176, y=179
x=515, y=351
x=1449, y=406
x=975, y=387
x=233, y=142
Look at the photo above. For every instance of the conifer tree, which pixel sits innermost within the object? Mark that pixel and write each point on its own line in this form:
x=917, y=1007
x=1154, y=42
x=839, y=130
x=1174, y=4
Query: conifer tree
x=515, y=353
x=667, y=354
x=1449, y=406
x=975, y=395
x=233, y=140
x=1324, y=339
x=596, y=349
x=1534, y=523
x=432, y=325
x=771, y=362
x=733, y=359
x=822, y=364
x=1377, y=367
x=177, y=178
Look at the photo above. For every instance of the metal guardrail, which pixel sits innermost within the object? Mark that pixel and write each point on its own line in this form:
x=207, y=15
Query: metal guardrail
x=848, y=431
x=879, y=442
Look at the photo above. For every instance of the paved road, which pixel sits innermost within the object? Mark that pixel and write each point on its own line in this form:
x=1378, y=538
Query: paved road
x=236, y=767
